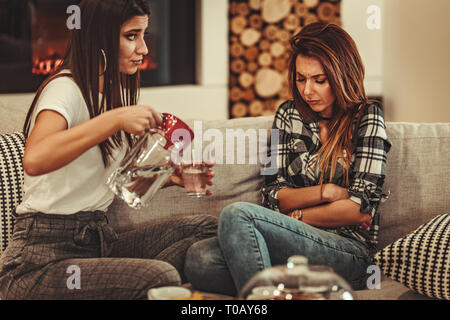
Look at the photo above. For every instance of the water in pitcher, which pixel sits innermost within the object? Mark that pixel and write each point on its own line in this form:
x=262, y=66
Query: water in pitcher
x=142, y=172
x=139, y=185
x=148, y=164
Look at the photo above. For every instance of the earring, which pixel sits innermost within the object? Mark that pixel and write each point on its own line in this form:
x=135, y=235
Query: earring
x=104, y=60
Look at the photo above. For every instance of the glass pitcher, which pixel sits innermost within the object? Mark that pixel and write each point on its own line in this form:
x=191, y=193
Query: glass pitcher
x=297, y=281
x=149, y=163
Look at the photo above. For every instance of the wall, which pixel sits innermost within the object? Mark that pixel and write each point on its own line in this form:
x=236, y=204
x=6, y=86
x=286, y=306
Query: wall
x=416, y=53
x=368, y=40
x=406, y=61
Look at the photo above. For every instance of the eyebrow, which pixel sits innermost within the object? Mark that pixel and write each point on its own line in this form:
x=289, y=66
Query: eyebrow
x=314, y=76
x=136, y=30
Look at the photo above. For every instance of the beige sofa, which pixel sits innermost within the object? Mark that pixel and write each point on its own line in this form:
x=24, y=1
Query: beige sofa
x=417, y=177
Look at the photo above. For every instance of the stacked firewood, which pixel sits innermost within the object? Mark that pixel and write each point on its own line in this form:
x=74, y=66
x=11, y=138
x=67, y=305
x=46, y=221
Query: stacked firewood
x=259, y=49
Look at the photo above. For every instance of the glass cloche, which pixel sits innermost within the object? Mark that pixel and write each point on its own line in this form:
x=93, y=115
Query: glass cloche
x=297, y=281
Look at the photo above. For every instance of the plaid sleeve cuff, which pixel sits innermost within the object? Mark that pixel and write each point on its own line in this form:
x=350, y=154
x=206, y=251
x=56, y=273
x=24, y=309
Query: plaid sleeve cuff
x=367, y=194
x=356, y=199
x=270, y=195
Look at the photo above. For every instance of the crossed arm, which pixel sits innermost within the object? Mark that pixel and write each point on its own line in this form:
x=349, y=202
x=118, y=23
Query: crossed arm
x=322, y=206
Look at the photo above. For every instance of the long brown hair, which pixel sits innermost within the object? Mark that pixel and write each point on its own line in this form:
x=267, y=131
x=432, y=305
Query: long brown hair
x=342, y=64
x=101, y=21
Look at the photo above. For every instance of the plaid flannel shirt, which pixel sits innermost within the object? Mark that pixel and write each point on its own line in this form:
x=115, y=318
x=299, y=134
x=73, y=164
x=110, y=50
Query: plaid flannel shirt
x=296, y=155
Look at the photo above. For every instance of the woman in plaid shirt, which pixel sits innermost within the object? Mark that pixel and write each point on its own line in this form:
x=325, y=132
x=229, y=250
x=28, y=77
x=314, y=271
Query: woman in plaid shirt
x=331, y=160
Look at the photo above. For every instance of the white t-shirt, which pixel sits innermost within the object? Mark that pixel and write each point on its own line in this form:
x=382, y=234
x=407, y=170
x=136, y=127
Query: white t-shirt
x=81, y=184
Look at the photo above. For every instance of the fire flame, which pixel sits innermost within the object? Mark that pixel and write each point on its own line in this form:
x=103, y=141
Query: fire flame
x=148, y=64
x=45, y=66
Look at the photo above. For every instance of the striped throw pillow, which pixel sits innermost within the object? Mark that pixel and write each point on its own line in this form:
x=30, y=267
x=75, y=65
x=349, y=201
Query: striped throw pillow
x=421, y=259
x=11, y=181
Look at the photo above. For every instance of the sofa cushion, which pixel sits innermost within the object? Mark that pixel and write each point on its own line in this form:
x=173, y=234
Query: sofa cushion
x=421, y=259
x=11, y=182
x=389, y=290
x=417, y=172
x=416, y=177
x=237, y=173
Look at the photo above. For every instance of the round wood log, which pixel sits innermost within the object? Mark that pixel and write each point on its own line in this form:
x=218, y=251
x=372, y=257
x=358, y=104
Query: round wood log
x=300, y=9
x=309, y=18
x=236, y=50
x=252, y=67
x=283, y=35
x=264, y=45
x=256, y=108
x=291, y=22
x=250, y=36
x=246, y=80
x=248, y=94
x=311, y=3
x=243, y=9
x=275, y=10
x=234, y=39
x=254, y=4
x=326, y=11
x=239, y=110
x=268, y=104
x=238, y=24
x=277, y=49
x=285, y=92
x=265, y=59
x=280, y=64
x=255, y=21
x=235, y=94
x=251, y=53
x=271, y=31
x=237, y=65
x=267, y=82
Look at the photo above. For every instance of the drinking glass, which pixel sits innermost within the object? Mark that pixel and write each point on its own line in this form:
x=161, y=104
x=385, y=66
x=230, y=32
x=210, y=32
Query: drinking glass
x=194, y=173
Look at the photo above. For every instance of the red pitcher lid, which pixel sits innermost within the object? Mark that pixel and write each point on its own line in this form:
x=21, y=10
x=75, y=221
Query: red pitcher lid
x=169, y=125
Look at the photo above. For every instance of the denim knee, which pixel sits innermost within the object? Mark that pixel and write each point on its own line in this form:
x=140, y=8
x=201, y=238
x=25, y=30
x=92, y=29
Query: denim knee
x=205, y=268
x=197, y=258
x=233, y=213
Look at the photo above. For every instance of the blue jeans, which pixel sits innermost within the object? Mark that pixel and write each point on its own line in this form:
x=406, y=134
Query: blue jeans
x=252, y=238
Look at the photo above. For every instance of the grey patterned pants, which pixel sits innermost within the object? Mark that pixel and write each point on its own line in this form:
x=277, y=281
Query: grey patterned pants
x=47, y=251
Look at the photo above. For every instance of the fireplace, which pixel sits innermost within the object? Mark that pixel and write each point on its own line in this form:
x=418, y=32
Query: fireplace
x=34, y=35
